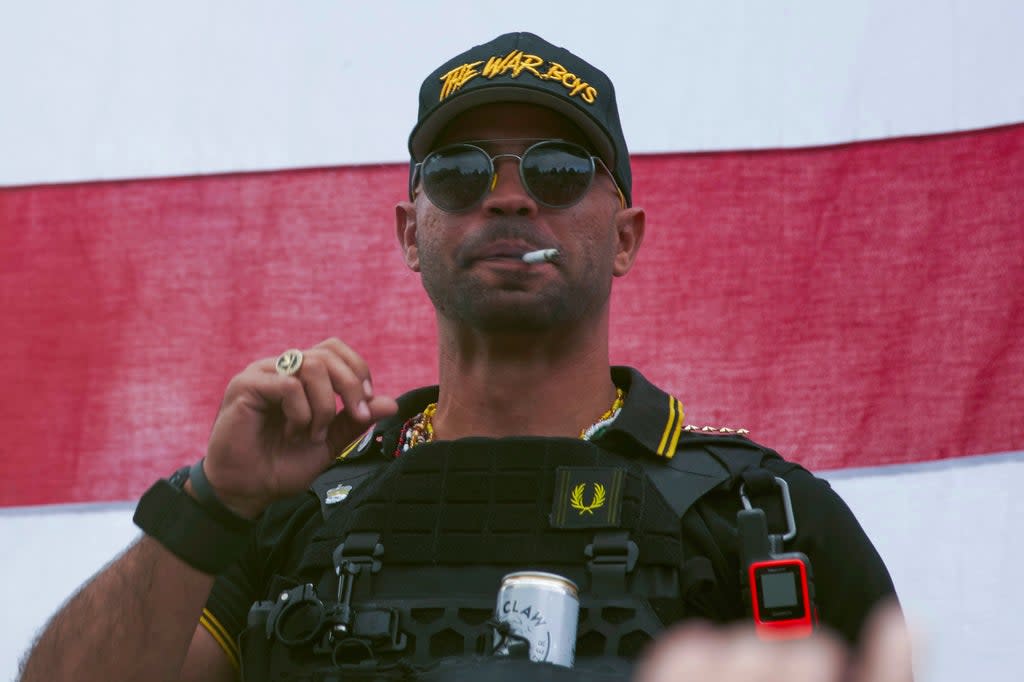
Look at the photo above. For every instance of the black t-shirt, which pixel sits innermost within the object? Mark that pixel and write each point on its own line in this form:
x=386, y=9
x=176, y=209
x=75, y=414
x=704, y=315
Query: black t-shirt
x=850, y=577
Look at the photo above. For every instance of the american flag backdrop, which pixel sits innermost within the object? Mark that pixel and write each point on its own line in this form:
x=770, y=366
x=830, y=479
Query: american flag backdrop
x=834, y=256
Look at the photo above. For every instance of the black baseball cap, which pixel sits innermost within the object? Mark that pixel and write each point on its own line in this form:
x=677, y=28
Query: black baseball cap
x=523, y=67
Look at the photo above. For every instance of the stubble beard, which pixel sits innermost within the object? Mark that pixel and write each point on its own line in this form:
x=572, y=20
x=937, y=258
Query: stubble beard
x=463, y=298
x=514, y=306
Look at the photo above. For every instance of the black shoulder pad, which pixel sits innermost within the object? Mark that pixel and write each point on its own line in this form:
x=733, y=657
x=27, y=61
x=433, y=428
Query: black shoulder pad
x=700, y=465
x=333, y=486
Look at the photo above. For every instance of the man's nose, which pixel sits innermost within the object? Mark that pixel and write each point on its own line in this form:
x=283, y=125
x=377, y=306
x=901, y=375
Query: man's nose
x=507, y=195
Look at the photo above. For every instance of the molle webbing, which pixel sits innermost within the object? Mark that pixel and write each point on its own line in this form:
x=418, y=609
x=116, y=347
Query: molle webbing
x=436, y=529
x=486, y=501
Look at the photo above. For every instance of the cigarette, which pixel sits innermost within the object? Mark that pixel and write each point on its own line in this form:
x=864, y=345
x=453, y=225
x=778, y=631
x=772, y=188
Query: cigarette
x=541, y=256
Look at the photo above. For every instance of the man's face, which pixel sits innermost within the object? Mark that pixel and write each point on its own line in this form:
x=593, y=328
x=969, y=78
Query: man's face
x=470, y=262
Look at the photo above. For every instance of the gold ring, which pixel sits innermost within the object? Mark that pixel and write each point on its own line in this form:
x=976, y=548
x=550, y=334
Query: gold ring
x=289, y=362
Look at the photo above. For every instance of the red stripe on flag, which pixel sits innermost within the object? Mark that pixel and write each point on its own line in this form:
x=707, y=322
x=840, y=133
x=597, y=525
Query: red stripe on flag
x=851, y=306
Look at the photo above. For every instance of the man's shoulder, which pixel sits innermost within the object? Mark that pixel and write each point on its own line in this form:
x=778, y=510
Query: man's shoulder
x=655, y=420
x=659, y=412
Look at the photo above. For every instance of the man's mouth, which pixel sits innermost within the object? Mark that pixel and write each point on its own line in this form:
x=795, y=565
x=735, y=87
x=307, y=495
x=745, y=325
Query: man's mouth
x=499, y=253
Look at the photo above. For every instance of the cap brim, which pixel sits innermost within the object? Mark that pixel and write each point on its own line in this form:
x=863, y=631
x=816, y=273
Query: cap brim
x=424, y=134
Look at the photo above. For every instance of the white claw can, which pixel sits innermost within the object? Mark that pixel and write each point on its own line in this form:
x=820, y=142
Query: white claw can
x=543, y=609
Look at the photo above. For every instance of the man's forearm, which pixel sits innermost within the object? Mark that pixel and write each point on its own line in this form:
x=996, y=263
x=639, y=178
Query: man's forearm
x=134, y=620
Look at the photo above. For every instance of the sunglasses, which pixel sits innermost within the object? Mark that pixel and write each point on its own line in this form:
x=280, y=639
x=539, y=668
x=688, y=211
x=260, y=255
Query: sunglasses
x=457, y=177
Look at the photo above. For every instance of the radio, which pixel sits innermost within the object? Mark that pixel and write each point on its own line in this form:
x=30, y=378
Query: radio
x=778, y=585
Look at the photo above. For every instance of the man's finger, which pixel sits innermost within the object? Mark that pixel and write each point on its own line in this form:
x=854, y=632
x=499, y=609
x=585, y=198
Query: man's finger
x=345, y=428
x=886, y=652
x=316, y=381
x=351, y=358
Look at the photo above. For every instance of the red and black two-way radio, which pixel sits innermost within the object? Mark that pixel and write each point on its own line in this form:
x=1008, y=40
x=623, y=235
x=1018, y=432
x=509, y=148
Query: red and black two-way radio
x=778, y=585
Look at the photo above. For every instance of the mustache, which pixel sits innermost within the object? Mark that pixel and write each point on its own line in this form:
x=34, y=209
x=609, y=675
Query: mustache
x=502, y=229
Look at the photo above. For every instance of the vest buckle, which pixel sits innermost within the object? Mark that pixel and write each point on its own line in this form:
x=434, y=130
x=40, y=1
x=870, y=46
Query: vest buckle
x=358, y=553
x=611, y=556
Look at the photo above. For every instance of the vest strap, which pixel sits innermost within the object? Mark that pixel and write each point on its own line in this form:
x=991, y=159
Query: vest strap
x=362, y=549
x=611, y=556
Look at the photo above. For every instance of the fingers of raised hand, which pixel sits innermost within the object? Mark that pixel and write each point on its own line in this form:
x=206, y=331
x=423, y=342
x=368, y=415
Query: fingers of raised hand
x=316, y=383
x=261, y=390
x=342, y=432
x=349, y=377
x=736, y=654
x=886, y=650
x=329, y=369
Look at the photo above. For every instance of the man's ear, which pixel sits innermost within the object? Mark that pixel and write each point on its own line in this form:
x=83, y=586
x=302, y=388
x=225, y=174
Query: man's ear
x=629, y=227
x=405, y=230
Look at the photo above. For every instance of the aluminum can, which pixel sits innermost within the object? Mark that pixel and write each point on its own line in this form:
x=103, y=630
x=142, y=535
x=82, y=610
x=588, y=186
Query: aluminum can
x=544, y=609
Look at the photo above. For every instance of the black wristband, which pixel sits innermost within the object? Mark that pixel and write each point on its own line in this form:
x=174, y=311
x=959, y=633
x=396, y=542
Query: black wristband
x=208, y=500
x=178, y=522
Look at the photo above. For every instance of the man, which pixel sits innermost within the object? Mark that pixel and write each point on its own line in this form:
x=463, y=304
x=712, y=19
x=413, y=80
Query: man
x=531, y=454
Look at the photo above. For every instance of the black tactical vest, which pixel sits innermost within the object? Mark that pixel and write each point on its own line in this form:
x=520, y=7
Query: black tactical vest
x=401, y=580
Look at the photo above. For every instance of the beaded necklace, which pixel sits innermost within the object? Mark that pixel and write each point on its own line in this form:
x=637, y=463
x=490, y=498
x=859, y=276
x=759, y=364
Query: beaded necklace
x=420, y=428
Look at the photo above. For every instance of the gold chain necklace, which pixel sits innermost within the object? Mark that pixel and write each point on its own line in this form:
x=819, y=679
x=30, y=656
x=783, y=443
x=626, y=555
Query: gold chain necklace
x=420, y=429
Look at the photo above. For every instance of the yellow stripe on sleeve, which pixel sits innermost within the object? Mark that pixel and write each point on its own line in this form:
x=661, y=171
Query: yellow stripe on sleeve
x=227, y=643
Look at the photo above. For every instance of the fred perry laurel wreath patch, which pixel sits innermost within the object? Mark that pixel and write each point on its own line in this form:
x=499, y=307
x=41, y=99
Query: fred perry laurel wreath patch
x=587, y=497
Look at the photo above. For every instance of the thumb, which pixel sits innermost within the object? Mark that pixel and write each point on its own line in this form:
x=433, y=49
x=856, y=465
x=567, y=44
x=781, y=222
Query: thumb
x=346, y=429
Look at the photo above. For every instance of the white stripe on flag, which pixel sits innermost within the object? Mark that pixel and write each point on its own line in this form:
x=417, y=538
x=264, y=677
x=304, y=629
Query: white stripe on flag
x=113, y=90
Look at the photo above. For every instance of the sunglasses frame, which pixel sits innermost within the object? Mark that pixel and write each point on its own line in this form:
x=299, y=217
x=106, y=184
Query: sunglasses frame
x=595, y=161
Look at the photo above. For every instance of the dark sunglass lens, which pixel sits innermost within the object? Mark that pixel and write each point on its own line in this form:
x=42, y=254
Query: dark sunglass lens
x=454, y=178
x=557, y=174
